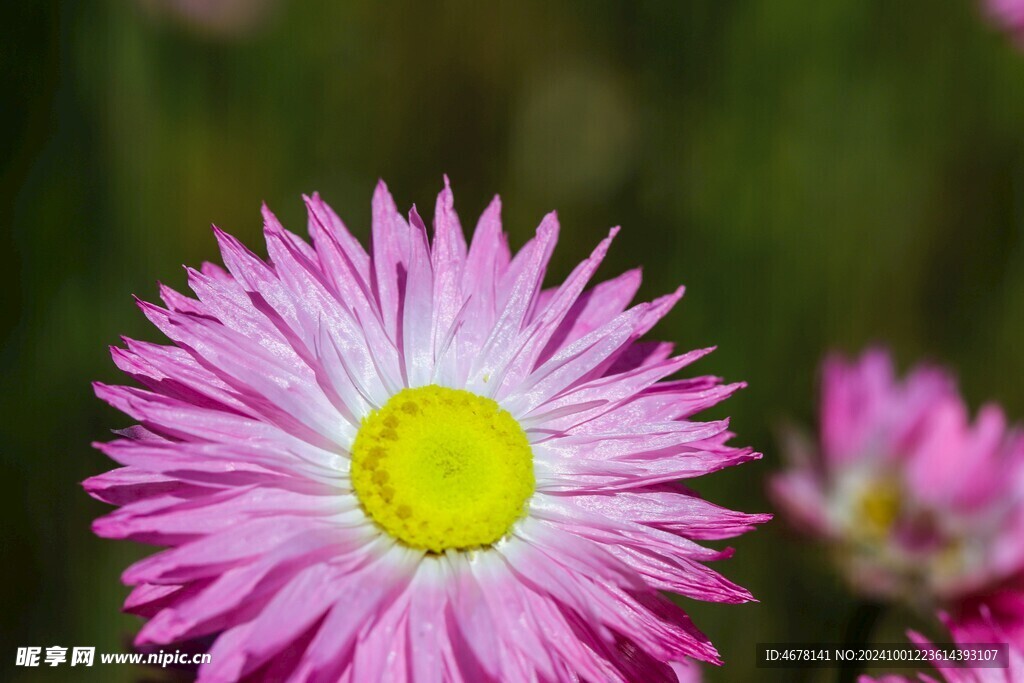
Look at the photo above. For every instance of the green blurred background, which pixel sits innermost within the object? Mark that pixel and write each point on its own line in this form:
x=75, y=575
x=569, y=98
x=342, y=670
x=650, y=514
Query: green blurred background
x=819, y=174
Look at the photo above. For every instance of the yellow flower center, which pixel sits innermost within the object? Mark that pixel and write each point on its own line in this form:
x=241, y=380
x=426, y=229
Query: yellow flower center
x=879, y=506
x=442, y=468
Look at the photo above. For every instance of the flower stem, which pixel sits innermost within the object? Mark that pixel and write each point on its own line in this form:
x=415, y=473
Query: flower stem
x=859, y=627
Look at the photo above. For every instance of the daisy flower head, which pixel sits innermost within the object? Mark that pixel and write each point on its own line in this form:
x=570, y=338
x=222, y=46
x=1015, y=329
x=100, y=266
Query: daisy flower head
x=414, y=462
x=918, y=502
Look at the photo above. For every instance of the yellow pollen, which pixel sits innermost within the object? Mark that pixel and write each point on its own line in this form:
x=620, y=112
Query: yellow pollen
x=879, y=507
x=441, y=468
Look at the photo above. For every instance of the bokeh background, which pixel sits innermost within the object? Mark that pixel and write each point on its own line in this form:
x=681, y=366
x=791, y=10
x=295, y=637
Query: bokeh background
x=819, y=174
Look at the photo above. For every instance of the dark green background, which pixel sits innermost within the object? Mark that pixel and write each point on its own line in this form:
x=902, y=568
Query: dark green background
x=819, y=174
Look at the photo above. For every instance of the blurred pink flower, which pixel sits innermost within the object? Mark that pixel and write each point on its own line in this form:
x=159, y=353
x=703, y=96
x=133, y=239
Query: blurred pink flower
x=1012, y=673
x=415, y=462
x=918, y=503
x=1008, y=15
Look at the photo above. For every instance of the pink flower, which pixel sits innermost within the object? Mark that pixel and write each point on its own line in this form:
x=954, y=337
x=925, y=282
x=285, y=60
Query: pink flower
x=1013, y=672
x=416, y=463
x=1009, y=15
x=918, y=503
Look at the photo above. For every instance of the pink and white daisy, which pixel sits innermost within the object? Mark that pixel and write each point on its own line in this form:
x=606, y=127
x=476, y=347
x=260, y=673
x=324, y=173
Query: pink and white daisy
x=1013, y=672
x=416, y=463
x=919, y=503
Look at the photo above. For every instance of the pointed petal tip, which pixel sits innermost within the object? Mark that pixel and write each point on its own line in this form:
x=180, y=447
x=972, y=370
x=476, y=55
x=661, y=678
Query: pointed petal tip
x=146, y=305
x=549, y=225
x=311, y=201
x=711, y=656
x=602, y=248
x=630, y=278
x=416, y=220
x=446, y=198
x=271, y=225
x=383, y=203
